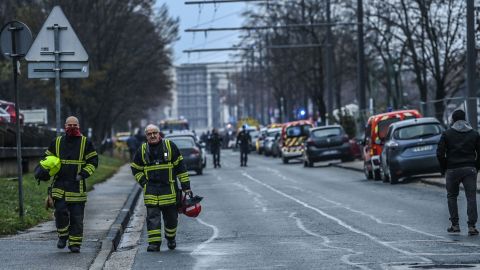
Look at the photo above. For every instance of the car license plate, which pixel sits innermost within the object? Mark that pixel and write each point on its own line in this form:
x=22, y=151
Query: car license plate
x=423, y=148
x=330, y=152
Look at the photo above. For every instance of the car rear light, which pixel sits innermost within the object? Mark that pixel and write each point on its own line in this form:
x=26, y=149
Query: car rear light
x=310, y=142
x=195, y=151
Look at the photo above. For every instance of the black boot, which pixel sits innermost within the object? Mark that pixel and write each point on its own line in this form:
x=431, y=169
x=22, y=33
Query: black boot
x=172, y=244
x=61, y=243
x=153, y=248
x=74, y=249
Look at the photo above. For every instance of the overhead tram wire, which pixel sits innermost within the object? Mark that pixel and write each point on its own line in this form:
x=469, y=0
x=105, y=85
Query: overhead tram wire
x=265, y=27
x=221, y=1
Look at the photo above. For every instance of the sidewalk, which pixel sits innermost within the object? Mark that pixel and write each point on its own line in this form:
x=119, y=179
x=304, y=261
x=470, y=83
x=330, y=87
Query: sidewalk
x=107, y=206
x=435, y=180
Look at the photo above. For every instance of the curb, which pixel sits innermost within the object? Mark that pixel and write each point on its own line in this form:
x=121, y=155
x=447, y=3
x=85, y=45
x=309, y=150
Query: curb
x=110, y=243
x=345, y=167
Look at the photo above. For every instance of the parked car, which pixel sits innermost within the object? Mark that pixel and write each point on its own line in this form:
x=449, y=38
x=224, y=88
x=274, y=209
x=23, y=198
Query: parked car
x=254, y=134
x=10, y=108
x=375, y=133
x=410, y=149
x=260, y=140
x=191, y=150
x=270, y=136
x=276, y=147
x=4, y=116
x=327, y=143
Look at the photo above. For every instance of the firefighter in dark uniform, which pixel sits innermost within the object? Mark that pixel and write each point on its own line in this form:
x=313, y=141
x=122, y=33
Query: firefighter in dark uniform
x=78, y=162
x=156, y=166
x=244, y=139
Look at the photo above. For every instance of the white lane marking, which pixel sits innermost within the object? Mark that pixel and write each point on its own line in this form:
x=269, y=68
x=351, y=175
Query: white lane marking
x=256, y=197
x=337, y=220
x=326, y=243
x=205, y=243
x=281, y=175
x=379, y=221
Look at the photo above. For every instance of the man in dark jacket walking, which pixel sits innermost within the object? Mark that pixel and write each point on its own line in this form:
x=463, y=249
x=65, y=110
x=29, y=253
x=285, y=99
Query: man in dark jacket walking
x=215, y=145
x=244, y=139
x=458, y=153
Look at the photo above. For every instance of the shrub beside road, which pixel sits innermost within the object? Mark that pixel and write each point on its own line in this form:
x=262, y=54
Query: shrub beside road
x=34, y=197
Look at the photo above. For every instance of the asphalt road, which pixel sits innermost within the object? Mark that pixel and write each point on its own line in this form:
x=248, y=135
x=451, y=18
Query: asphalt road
x=271, y=215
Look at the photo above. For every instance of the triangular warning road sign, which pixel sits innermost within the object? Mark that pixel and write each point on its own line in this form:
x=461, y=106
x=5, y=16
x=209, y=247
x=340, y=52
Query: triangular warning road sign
x=44, y=45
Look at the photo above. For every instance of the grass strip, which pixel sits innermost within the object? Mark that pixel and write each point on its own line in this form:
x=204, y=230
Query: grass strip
x=34, y=197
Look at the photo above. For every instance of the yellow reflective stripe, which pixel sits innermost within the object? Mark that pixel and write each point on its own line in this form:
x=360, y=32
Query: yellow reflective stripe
x=184, y=180
x=89, y=168
x=155, y=239
x=48, y=153
x=82, y=147
x=169, y=148
x=81, y=187
x=170, y=230
x=139, y=176
x=91, y=154
x=71, y=161
x=154, y=197
x=176, y=162
x=157, y=167
x=154, y=232
x=82, y=199
x=57, y=145
x=75, y=238
x=74, y=194
x=63, y=229
x=144, y=147
x=135, y=166
x=184, y=174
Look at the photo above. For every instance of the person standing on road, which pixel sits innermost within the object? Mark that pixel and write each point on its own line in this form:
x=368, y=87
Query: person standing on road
x=458, y=153
x=215, y=146
x=244, y=139
x=156, y=167
x=78, y=162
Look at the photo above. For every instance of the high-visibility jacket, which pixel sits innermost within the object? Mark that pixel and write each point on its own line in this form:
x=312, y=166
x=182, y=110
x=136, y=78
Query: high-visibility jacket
x=156, y=168
x=78, y=157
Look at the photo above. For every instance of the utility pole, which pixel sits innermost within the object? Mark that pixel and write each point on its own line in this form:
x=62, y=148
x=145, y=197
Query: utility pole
x=329, y=67
x=471, y=60
x=361, y=59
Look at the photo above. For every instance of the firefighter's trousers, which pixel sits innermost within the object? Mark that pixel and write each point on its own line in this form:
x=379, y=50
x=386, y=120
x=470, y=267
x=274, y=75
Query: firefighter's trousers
x=69, y=221
x=154, y=223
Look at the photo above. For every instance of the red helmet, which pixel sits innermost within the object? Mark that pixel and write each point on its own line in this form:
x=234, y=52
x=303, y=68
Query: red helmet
x=191, y=207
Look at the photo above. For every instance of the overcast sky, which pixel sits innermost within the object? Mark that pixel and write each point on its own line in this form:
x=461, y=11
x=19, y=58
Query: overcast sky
x=204, y=16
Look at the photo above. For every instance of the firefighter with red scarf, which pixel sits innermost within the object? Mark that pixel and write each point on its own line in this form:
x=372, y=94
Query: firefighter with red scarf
x=78, y=162
x=156, y=167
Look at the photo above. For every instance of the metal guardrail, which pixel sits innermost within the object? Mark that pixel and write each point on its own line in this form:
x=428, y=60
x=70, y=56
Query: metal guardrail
x=27, y=152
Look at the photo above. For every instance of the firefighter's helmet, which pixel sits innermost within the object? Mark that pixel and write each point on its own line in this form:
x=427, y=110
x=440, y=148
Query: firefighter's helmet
x=48, y=167
x=191, y=206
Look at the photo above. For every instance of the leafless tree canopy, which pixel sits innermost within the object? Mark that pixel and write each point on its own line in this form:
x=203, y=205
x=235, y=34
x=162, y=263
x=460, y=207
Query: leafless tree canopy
x=128, y=43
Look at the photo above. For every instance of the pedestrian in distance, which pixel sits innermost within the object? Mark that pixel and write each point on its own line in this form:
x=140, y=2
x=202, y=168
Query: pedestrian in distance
x=215, y=146
x=157, y=166
x=132, y=144
x=458, y=153
x=78, y=162
x=244, y=140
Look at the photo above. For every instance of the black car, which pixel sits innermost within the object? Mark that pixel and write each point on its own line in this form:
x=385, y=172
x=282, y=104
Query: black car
x=190, y=150
x=410, y=149
x=327, y=143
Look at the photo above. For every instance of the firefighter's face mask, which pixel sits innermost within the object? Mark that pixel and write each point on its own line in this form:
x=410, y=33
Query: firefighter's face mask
x=72, y=129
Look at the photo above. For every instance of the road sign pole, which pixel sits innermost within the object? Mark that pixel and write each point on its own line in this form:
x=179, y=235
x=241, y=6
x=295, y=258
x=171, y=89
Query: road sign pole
x=57, y=76
x=15, y=58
